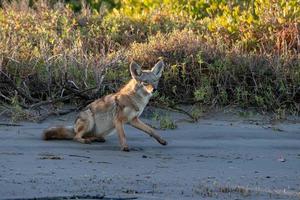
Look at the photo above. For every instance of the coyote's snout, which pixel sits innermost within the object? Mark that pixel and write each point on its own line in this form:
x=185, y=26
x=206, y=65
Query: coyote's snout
x=109, y=113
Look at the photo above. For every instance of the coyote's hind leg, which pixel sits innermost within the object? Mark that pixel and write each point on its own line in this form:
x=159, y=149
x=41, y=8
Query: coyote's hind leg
x=82, y=127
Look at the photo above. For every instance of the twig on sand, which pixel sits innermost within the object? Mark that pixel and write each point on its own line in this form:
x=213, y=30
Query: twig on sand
x=51, y=101
x=80, y=93
x=4, y=111
x=61, y=112
x=79, y=156
x=77, y=197
x=61, y=99
x=4, y=97
x=9, y=124
x=176, y=109
x=12, y=83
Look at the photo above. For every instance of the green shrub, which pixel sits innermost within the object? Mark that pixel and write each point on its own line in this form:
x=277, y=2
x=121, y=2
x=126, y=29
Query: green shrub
x=216, y=53
x=200, y=71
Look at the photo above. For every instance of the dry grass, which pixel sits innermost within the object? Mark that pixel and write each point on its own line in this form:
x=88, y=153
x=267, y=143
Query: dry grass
x=201, y=71
x=225, y=56
x=222, y=191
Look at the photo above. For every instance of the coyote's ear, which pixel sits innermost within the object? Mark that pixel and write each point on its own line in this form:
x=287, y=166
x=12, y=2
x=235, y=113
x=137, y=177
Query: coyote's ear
x=135, y=70
x=158, y=68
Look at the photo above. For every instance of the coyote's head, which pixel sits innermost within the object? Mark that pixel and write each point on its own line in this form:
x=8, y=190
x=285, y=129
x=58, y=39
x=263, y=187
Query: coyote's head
x=147, y=79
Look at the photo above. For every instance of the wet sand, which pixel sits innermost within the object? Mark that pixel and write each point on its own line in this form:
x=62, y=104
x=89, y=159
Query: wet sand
x=215, y=158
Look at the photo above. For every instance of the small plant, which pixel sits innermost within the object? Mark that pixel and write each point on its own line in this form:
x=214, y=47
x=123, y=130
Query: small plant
x=155, y=116
x=245, y=114
x=197, y=113
x=238, y=189
x=165, y=121
x=203, y=94
x=280, y=113
x=17, y=113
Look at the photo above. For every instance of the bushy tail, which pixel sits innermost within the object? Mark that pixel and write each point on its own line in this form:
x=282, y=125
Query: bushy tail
x=58, y=133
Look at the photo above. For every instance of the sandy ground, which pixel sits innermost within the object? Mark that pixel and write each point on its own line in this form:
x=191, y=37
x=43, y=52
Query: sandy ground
x=216, y=158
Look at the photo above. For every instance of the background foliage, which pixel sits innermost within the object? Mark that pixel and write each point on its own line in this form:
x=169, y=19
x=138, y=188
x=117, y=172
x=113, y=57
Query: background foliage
x=218, y=52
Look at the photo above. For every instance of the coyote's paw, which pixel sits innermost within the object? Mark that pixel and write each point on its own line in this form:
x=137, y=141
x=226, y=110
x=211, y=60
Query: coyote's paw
x=163, y=142
x=125, y=148
x=87, y=141
x=83, y=141
x=100, y=139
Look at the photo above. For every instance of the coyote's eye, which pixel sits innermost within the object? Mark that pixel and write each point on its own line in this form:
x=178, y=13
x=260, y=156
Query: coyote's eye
x=145, y=83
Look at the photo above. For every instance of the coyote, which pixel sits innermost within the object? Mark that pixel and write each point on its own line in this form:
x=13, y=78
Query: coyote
x=109, y=113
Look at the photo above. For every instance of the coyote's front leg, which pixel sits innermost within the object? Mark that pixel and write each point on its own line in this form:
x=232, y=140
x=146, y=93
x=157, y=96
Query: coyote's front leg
x=137, y=123
x=121, y=133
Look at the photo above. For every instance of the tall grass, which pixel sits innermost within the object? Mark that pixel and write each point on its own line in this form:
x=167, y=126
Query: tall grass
x=51, y=46
x=221, y=53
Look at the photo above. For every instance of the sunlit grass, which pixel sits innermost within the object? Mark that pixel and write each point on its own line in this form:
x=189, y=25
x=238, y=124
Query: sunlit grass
x=218, y=53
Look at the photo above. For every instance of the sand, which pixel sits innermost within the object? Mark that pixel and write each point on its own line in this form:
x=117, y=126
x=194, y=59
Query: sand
x=219, y=157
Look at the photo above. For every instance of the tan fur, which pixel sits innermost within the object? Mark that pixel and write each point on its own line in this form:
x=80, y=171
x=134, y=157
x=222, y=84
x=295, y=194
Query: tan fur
x=108, y=114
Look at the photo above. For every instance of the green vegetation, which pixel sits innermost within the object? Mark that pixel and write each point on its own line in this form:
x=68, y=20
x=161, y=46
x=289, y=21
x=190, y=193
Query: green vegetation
x=165, y=121
x=217, y=52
